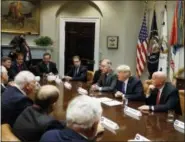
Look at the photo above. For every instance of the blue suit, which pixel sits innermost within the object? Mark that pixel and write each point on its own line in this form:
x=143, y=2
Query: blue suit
x=13, y=102
x=65, y=135
x=134, y=90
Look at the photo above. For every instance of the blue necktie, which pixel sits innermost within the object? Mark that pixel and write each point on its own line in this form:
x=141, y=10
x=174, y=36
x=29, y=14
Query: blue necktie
x=123, y=88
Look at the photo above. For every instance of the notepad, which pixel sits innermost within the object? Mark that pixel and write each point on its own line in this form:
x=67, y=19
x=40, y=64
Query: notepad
x=104, y=99
x=112, y=103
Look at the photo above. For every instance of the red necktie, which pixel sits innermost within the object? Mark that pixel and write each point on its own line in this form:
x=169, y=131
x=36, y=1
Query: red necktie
x=158, y=98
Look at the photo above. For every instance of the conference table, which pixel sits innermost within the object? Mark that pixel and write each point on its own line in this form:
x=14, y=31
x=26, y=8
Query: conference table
x=153, y=126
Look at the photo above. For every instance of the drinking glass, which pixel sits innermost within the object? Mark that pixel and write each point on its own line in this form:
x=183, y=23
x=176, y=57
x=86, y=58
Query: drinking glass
x=170, y=116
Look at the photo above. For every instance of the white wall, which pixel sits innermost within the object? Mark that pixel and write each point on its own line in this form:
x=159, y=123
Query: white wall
x=120, y=18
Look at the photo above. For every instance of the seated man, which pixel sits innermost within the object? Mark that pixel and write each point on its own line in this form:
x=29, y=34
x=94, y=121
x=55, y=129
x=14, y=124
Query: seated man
x=35, y=120
x=82, y=116
x=16, y=98
x=161, y=95
x=108, y=79
x=97, y=74
x=77, y=72
x=4, y=78
x=18, y=65
x=128, y=86
x=46, y=66
x=7, y=62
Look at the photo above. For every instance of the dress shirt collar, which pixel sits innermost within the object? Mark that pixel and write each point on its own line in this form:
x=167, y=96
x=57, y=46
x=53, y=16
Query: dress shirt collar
x=24, y=93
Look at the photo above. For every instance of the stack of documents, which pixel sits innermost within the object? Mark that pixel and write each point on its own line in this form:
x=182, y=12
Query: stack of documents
x=109, y=102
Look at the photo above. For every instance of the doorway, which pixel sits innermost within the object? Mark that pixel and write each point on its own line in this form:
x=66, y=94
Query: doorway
x=79, y=36
x=79, y=40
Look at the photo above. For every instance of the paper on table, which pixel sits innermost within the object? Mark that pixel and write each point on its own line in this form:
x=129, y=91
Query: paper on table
x=132, y=113
x=82, y=91
x=179, y=126
x=104, y=99
x=113, y=103
x=67, y=85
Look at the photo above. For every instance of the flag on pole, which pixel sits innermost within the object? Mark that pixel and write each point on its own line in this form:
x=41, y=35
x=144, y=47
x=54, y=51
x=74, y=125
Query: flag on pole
x=177, y=42
x=154, y=49
x=162, y=66
x=142, y=48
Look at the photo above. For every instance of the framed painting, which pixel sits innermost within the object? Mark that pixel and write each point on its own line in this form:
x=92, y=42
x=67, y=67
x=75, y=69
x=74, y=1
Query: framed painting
x=112, y=42
x=20, y=16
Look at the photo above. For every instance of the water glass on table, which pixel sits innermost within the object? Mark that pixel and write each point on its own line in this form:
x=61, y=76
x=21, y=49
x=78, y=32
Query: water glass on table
x=125, y=100
x=170, y=116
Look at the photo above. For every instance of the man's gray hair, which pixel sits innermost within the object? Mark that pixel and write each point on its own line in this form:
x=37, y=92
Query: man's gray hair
x=108, y=63
x=123, y=68
x=24, y=77
x=160, y=74
x=83, y=111
x=46, y=96
x=3, y=69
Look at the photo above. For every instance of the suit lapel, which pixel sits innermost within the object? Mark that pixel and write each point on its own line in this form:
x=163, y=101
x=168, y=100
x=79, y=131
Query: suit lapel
x=162, y=95
x=128, y=85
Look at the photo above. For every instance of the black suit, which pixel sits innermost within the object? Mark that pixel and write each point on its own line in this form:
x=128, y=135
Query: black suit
x=11, y=74
x=134, y=90
x=169, y=99
x=79, y=74
x=107, y=82
x=3, y=88
x=15, y=69
x=33, y=122
x=42, y=68
x=96, y=77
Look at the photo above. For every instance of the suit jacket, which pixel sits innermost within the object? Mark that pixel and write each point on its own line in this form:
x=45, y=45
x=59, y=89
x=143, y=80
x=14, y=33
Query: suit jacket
x=107, y=82
x=42, y=68
x=33, y=122
x=3, y=88
x=66, y=135
x=80, y=76
x=15, y=70
x=134, y=90
x=13, y=102
x=11, y=74
x=169, y=99
x=96, y=77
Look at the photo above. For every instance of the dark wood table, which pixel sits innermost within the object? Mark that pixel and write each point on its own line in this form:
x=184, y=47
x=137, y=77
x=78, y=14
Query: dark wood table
x=152, y=125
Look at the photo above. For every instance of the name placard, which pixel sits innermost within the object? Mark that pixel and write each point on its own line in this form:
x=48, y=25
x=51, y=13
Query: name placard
x=58, y=80
x=132, y=112
x=179, y=124
x=67, y=85
x=109, y=123
x=139, y=137
x=82, y=91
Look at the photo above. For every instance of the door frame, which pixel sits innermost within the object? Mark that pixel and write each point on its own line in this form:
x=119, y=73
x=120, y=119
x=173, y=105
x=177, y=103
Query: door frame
x=62, y=40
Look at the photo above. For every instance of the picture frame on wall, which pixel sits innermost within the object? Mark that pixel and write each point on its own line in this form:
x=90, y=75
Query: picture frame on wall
x=112, y=42
x=20, y=16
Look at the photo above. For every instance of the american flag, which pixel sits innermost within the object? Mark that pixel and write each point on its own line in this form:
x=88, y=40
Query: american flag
x=142, y=48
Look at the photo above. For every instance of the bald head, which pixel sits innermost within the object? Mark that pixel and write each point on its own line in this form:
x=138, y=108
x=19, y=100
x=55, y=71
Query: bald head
x=159, y=78
x=47, y=95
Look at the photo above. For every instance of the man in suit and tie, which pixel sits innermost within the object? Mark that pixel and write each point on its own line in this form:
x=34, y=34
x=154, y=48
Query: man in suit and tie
x=97, y=74
x=7, y=63
x=18, y=65
x=17, y=97
x=128, y=86
x=4, y=78
x=77, y=71
x=46, y=66
x=108, y=79
x=161, y=95
x=83, y=118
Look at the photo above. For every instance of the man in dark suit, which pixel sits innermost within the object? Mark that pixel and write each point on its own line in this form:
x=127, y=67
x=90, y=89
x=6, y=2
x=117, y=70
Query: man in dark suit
x=77, y=71
x=97, y=74
x=161, y=95
x=108, y=79
x=79, y=128
x=16, y=98
x=35, y=120
x=4, y=78
x=18, y=65
x=128, y=86
x=46, y=66
x=7, y=63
